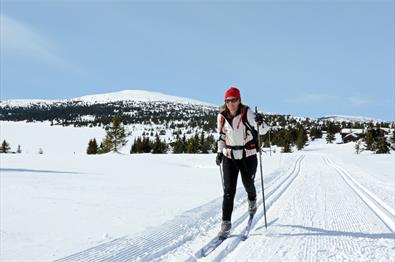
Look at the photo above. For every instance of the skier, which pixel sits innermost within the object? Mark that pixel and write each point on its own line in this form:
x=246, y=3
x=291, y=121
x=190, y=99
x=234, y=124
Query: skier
x=237, y=149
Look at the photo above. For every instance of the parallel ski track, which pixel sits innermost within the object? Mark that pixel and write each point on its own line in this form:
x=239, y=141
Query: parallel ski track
x=152, y=244
x=271, y=197
x=378, y=206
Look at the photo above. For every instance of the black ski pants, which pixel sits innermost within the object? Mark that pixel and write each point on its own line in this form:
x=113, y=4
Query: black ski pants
x=247, y=167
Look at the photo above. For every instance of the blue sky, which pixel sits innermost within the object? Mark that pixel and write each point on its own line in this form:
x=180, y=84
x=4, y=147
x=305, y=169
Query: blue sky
x=305, y=58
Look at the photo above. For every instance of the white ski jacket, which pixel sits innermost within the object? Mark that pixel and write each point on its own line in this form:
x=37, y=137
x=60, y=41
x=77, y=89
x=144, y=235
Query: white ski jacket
x=236, y=134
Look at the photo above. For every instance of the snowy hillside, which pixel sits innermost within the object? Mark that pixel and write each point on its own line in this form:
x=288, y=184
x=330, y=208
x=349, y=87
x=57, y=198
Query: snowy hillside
x=352, y=119
x=137, y=95
x=323, y=203
x=125, y=95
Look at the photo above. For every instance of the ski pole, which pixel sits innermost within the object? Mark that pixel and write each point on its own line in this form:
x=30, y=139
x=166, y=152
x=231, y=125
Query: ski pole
x=260, y=163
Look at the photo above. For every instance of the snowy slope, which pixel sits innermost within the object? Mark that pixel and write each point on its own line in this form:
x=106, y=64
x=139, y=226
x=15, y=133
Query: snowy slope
x=136, y=95
x=323, y=203
x=125, y=95
x=352, y=119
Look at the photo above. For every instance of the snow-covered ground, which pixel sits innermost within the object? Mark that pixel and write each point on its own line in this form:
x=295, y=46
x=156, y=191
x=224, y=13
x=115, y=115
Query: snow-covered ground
x=323, y=203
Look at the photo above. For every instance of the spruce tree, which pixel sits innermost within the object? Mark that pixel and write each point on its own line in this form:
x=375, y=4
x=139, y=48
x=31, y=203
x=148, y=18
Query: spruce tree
x=115, y=137
x=137, y=146
x=158, y=147
x=287, y=141
x=105, y=145
x=204, y=144
x=301, y=138
x=369, y=140
x=92, y=147
x=193, y=144
x=293, y=135
x=330, y=137
x=184, y=144
x=315, y=132
x=382, y=146
x=330, y=133
x=211, y=143
x=178, y=146
x=146, y=145
x=5, y=147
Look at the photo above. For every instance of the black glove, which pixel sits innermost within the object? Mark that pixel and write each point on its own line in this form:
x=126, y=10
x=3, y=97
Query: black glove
x=218, y=160
x=258, y=119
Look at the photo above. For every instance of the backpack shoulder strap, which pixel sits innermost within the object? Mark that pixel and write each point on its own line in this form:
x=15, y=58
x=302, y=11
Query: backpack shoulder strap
x=246, y=123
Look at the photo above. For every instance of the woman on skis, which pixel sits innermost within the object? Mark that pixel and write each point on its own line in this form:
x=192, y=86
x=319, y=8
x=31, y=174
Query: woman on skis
x=237, y=149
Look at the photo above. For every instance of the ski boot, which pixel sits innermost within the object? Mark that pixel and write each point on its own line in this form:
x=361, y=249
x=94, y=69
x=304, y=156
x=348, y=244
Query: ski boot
x=225, y=229
x=252, y=207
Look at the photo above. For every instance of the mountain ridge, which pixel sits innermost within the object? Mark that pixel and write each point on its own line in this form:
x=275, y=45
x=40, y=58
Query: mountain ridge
x=135, y=95
x=139, y=95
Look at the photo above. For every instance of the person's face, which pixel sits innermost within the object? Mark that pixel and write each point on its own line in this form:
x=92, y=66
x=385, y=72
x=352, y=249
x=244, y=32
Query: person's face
x=232, y=103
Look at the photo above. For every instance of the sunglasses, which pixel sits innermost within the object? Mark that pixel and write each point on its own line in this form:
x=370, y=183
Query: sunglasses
x=233, y=100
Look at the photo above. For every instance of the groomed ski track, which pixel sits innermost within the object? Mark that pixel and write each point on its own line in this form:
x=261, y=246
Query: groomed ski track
x=315, y=209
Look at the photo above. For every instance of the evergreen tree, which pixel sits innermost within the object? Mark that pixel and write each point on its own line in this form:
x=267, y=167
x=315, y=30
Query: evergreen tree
x=137, y=146
x=330, y=137
x=92, y=147
x=5, y=147
x=212, y=144
x=315, y=133
x=293, y=135
x=287, y=142
x=193, y=144
x=393, y=139
x=141, y=145
x=105, y=146
x=184, y=144
x=369, y=140
x=158, y=147
x=146, y=145
x=382, y=146
x=178, y=147
x=204, y=144
x=115, y=137
x=301, y=138
x=330, y=133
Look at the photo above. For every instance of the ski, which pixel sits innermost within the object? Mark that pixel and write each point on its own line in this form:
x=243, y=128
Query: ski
x=216, y=241
x=248, y=228
x=209, y=247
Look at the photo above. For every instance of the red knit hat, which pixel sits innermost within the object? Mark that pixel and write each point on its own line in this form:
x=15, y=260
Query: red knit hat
x=232, y=91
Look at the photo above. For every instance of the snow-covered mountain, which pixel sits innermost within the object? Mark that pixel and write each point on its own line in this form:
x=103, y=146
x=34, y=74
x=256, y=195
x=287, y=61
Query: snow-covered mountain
x=125, y=96
x=137, y=95
x=352, y=119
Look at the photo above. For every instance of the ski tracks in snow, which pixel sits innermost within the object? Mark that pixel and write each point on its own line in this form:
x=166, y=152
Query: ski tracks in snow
x=314, y=212
x=178, y=235
x=320, y=218
x=382, y=210
x=272, y=194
